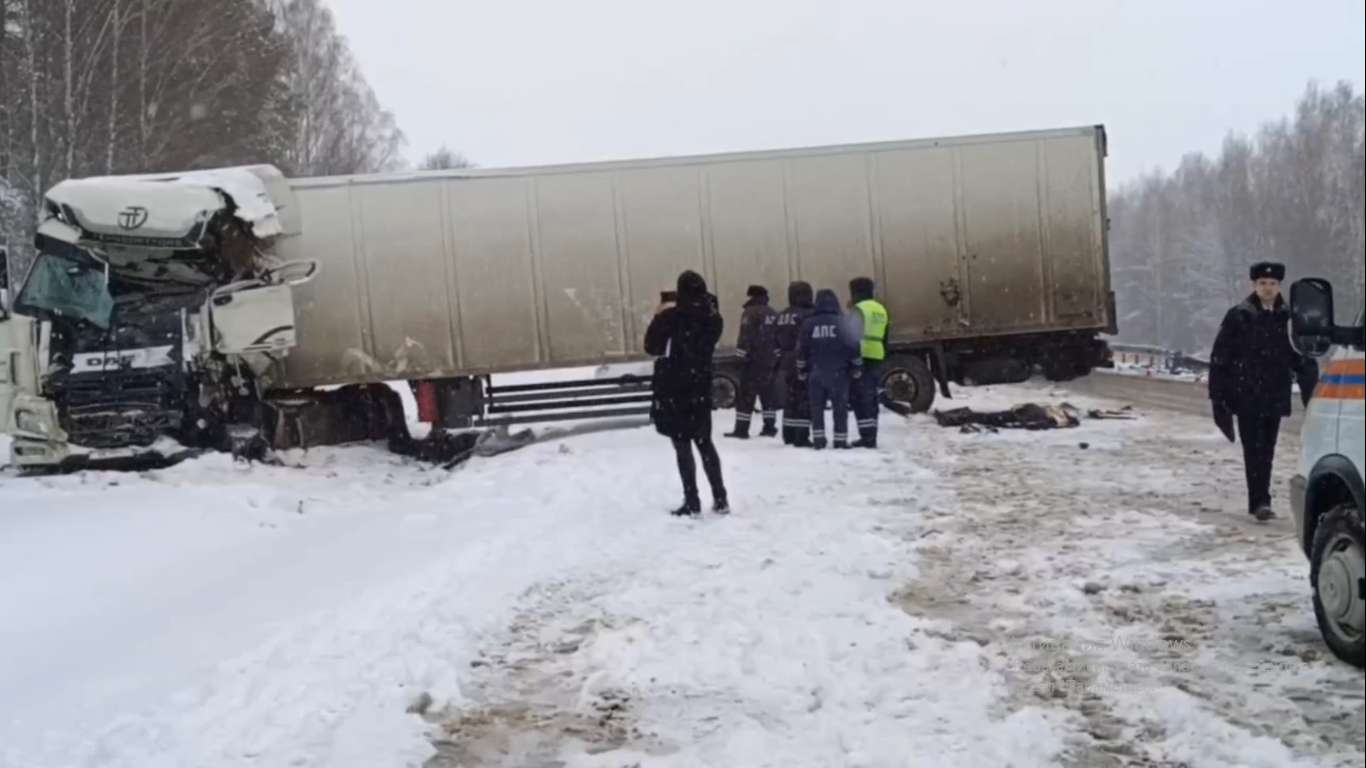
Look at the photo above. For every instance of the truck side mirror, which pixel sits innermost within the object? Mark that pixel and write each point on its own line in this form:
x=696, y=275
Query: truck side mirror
x=1311, y=316
x=4, y=283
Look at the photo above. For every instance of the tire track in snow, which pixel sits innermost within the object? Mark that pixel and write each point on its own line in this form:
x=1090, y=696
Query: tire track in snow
x=1111, y=578
x=764, y=639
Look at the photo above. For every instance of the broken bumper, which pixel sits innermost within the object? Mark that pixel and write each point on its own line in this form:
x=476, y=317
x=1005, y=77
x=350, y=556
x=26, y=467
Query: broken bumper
x=31, y=454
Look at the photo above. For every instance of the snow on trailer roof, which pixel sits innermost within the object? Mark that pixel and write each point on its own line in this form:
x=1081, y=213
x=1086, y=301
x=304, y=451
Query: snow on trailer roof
x=174, y=204
x=721, y=157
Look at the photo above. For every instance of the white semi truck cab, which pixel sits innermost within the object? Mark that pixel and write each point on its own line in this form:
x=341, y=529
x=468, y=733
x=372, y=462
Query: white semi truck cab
x=1327, y=496
x=151, y=311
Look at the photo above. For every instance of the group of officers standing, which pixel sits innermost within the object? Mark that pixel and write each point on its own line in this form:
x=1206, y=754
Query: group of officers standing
x=808, y=356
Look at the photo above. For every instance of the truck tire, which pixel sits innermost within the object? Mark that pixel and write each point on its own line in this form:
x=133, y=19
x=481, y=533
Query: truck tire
x=907, y=380
x=1336, y=573
x=725, y=390
x=1065, y=368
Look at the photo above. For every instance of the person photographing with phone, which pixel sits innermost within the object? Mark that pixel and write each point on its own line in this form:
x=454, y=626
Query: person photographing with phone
x=682, y=337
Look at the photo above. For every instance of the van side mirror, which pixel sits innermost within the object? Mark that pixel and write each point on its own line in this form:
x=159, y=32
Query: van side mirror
x=4, y=283
x=1311, y=316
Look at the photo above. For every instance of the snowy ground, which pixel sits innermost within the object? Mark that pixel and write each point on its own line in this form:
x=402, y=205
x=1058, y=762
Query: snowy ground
x=1084, y=597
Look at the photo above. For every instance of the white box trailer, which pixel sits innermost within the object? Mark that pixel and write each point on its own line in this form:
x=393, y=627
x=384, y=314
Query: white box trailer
x=989, y=252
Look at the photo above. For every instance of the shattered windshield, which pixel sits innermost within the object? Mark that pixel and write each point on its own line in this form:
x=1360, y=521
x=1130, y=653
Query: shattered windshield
x=69, y=288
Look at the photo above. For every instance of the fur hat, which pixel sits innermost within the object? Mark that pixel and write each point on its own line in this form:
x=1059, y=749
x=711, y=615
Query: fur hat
x=1267, y=269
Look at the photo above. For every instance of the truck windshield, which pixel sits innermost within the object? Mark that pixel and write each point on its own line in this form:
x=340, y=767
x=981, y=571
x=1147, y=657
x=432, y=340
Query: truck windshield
x=69, y=288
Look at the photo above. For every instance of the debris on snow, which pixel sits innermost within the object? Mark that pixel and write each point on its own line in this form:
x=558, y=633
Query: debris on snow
x=1029, y=416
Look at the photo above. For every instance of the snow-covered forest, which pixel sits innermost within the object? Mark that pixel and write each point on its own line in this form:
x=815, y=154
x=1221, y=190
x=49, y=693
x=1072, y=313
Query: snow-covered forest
x=1181, y=242
x=91, y=87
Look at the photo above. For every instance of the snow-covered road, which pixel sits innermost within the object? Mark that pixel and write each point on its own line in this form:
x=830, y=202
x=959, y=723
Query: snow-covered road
x=1085, y=597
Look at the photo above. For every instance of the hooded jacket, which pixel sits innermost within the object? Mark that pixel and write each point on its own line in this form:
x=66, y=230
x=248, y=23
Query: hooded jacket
x=789, y=321
x=826, y=345
x=683, y=339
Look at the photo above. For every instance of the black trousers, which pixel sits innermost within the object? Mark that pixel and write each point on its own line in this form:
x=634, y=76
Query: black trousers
x=863, y=395
x=756, y=383
x=1258, y=433
x=687, y=469
x=796, y=403
x=832, y=388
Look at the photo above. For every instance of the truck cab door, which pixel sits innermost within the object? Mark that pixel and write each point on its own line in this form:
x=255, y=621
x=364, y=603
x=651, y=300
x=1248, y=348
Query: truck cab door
x=257, y=316
x=252, y=319
x=18, y=352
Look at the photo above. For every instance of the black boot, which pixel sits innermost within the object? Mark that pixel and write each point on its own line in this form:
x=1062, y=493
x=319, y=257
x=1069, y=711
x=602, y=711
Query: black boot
x=690, y=508
x=721, y=506
x=819, y=443
x=741, y=431
x=802, y=440
x=769, y=430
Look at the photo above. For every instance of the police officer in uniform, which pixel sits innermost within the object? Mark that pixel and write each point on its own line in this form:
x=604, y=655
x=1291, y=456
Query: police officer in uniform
x=1252, y=367
x=796, y=400
x=828, y=357
x=870, y=317
x=758, y=349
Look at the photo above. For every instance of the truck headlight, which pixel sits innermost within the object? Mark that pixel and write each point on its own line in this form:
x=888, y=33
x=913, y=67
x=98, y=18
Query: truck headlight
x=28, y=421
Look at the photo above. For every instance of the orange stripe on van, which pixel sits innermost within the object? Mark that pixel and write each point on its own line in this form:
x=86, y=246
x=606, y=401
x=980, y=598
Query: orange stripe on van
x=1341, y=392
x=1346, y=368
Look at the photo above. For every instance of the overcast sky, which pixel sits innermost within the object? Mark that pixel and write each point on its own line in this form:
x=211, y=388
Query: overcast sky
x=516, y=82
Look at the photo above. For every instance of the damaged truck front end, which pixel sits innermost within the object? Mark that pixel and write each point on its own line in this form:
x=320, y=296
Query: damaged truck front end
x=152, y=318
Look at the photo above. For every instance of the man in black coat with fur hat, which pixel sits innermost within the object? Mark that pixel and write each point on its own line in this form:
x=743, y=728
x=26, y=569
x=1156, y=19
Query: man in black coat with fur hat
x=683, y=336
x=757, y=348
x=1252, y=368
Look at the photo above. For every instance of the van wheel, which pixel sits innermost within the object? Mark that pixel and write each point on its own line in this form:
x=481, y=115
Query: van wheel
x=908, y=381
x=724, y=392
x=1337, y=572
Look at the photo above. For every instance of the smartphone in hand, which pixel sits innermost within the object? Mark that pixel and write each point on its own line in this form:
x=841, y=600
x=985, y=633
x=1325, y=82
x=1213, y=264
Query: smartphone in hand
x=667, y=299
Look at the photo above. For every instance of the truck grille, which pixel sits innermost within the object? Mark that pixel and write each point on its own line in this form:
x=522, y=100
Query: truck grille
x=114, y=409
x=116, y=388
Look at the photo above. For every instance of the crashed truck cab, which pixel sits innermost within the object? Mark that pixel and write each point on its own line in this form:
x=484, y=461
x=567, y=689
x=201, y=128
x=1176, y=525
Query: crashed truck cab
x=154, y=310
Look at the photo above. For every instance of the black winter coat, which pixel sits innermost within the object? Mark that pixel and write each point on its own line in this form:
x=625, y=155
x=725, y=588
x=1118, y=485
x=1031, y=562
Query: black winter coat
x=1253, y=363
x=683, y=339
x=757, y=344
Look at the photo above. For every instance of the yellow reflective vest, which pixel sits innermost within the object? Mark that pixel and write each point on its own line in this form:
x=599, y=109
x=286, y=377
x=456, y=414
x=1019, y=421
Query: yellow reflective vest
x=873, y=346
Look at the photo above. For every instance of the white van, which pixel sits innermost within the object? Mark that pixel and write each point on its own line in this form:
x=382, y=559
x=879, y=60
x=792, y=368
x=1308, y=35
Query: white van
x=1327, y=494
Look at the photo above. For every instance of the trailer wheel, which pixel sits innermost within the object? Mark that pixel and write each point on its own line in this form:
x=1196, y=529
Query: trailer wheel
x=1065, y=367
x=908, y=381
x=724, y=391
x=1337, y=573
